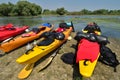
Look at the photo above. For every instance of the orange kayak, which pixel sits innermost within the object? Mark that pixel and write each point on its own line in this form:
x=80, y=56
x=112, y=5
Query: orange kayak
x=23, y=39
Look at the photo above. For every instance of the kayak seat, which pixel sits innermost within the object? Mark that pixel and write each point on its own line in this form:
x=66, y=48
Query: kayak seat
x=36, y=30
x=9, y=27
x=46, y=42
x=59, y=36
x=85, y=62
x=54, y=35
x=64, y=25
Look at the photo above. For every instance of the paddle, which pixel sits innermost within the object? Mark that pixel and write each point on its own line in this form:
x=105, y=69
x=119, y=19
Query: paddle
x=49, y=61
x=26, y=71
x=7, y=40
x=72, y=26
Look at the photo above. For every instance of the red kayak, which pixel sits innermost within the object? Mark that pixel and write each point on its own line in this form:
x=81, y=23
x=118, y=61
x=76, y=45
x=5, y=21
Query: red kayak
x=10, y=30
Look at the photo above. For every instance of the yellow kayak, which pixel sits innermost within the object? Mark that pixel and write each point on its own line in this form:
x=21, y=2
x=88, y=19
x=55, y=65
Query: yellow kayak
x=39, y=51
x=86, y=68
x=23, y=39
x=87, y=56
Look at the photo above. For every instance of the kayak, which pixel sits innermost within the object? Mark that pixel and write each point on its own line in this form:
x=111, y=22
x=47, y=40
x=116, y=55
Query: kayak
x=87, y=70
x=88, y=51
x=9, y=30
x=23, y=39
x=87, y=55
x=43, y=49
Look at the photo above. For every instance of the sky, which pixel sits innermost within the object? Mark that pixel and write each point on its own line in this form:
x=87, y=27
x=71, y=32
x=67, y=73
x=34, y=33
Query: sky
x=74, y=5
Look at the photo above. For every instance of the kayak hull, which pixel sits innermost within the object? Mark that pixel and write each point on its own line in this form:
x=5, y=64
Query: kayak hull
x=87, y=69
x=11, y=33
x=39, y=51
x=20, y=40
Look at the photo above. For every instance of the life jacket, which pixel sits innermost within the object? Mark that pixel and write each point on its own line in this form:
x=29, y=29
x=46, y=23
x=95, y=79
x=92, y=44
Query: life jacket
x=47, y=24
x=8, y=26
x=60, y=29
x=87, y=50
x=108, y=57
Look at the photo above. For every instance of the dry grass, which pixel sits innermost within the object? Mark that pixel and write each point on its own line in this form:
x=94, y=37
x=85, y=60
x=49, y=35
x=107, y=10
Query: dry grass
x=58, y=70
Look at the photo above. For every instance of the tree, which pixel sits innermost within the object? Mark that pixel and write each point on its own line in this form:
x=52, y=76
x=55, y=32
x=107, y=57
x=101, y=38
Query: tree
x=61, y=11
x=101, y=11
x=5, y=9
x=85, y=11
x=46, y=11
x=22, y=8
x=35, y=9
x=26, y=8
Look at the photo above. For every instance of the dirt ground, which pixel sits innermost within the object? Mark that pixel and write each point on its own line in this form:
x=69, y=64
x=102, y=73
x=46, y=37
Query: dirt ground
x=58, y=70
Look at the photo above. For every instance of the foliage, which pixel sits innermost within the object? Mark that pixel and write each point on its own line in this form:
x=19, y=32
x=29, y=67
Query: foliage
x=47, y=12
x=61, y=11
x=96, y=12
x=5, y=9
x=101, y=11
x=22, y=8
x=85, y=11
x=25, y=8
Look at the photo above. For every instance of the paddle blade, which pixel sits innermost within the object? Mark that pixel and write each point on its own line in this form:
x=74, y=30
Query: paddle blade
x=42, y=67
x=26, y=71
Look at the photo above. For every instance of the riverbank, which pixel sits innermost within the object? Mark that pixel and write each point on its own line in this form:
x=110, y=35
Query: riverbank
x=58, y=70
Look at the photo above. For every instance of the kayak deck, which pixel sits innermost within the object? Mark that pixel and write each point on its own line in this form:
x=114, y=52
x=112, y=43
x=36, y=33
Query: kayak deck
x=36, y=53
x=11, y=33
x=39, y=51
x=20, y=40
x=87, y=67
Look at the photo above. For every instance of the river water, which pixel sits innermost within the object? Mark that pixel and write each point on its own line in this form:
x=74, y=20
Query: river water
x=110, y=25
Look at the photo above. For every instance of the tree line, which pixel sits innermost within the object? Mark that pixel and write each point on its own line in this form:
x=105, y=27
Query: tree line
x=22, y=8
x=25, y=8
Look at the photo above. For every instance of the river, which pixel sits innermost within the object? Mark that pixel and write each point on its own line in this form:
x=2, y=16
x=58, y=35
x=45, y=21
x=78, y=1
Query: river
x=110, y=25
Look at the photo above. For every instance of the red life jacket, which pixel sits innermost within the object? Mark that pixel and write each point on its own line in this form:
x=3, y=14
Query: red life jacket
x=87, y=50
x=60, y=30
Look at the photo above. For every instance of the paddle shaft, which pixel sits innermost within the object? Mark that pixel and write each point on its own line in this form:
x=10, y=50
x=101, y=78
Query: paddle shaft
x=49, y=60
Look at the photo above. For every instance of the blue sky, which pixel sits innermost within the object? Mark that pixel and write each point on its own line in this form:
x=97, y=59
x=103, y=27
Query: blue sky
x=74, y=5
